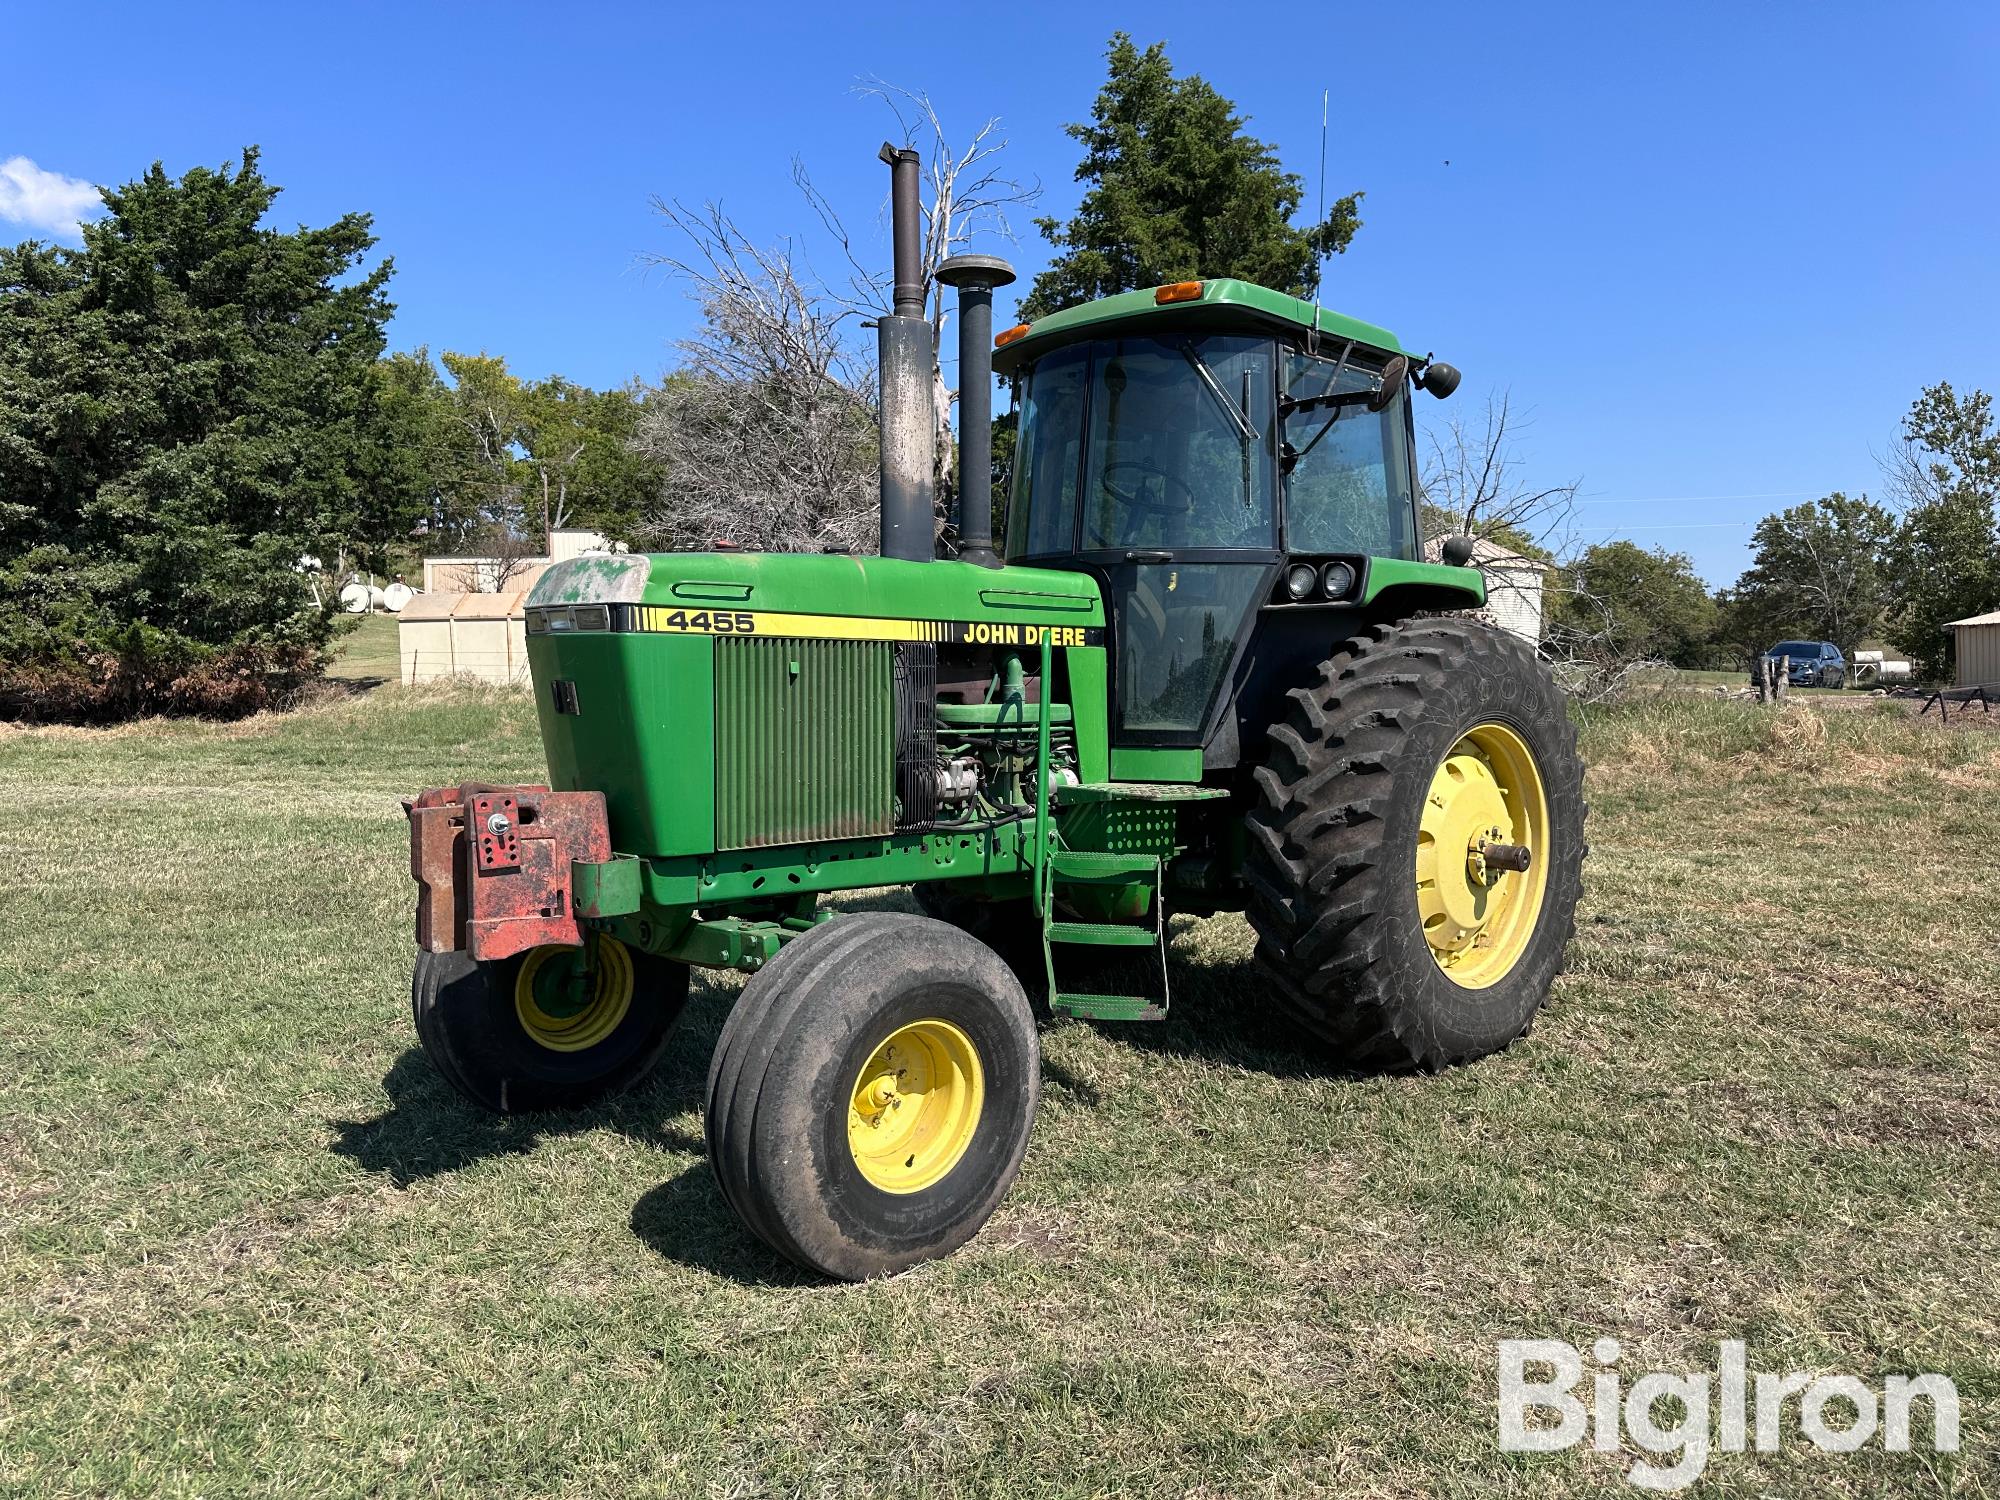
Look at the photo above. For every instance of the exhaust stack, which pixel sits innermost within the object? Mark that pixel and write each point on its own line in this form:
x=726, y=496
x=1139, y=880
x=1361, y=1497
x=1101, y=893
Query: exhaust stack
x=975, y=277
x=908, y=425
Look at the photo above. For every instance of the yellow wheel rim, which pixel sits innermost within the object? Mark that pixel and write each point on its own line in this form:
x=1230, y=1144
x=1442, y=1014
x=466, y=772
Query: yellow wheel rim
x=915, y=1106
x=1485, y=794
x=567, y=1001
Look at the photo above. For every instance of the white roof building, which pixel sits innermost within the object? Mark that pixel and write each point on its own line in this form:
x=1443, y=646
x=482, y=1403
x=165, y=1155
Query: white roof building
x=1513, y=585
x=1976, y=640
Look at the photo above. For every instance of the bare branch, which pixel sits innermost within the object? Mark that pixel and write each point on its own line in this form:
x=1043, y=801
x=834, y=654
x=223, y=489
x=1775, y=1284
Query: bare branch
x=767, y=429
x=1472, y=482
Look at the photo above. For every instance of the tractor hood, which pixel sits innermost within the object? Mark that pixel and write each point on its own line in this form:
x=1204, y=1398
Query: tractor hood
x=799, y=594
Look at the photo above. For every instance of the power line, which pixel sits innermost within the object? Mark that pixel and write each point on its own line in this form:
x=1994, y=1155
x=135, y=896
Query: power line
x=1696, y=499
x=1672, y=526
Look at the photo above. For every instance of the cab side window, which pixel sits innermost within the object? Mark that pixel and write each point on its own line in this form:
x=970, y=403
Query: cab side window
x=1349, y=487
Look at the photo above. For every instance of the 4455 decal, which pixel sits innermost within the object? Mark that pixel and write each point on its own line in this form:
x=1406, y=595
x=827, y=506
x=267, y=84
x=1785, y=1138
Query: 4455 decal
x=655, y=619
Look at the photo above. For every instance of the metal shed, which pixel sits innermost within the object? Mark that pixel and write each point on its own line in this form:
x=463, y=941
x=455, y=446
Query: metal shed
x=464, y=635
x=1976, y=643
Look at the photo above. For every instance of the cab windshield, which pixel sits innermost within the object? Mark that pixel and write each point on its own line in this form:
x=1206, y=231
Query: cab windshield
x=1147, y=444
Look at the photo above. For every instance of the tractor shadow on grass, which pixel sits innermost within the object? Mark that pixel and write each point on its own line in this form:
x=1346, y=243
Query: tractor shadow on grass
x=1222, y=1011
x=686, y=1220
x=430, y=1129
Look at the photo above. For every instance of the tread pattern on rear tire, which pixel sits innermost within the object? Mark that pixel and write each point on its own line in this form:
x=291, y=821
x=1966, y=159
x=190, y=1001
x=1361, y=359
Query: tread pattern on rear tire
x=1332, y=841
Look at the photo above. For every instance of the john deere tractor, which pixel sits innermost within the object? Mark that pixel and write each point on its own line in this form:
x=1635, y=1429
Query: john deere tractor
x=1208, y=669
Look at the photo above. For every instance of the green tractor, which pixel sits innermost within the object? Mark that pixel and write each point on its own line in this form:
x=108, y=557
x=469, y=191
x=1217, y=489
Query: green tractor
x=1210, y=672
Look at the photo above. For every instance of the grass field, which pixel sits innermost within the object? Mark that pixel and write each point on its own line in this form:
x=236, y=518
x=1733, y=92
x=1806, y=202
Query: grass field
x=367, y=651
x=249, y=1243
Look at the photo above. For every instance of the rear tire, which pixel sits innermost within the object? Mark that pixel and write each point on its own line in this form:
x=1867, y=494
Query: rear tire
x=872, y=1093
x=492, y=1039
x=1361, y=871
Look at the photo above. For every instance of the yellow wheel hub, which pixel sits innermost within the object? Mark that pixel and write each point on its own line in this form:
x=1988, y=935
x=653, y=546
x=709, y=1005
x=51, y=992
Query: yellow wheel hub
x=568, y=999
x=915, y=1106
x=1485, y=805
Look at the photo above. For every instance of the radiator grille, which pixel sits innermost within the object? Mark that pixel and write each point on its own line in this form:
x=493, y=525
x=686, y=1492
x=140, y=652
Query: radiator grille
x=804, y=741
x=916, y=733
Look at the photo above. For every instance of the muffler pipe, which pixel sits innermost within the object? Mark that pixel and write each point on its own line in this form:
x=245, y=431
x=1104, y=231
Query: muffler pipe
x=906, y=358
x=975, y=277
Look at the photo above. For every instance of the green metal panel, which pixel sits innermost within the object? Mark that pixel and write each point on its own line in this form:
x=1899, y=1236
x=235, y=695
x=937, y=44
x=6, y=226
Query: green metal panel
x=1090, y=704
x=1251, y=303
x=1155, y=765
x=642, y=734
x=804, y=740
x=1458, y=588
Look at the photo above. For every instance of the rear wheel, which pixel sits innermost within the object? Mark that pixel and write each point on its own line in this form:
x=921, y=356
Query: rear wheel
x=552, y=1028
x=1417, y=850
x=872, y=1093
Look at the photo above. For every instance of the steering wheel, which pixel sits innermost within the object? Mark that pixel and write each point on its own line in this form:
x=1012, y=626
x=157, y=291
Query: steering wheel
x=1136, y=500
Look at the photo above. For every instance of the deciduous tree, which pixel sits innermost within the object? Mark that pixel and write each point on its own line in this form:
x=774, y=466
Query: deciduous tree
x=1623, y=602
x=1945, y=564
x=1821, y=572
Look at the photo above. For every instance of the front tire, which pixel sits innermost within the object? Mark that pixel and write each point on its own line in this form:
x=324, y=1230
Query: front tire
x=1382, y=924
x=872, y=1093
x=552, y=1028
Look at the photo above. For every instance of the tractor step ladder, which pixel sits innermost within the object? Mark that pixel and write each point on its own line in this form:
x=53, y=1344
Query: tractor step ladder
x=1071, y=869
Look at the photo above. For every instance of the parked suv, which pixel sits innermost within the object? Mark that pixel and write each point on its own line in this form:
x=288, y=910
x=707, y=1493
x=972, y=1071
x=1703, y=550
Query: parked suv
x=1814, y=663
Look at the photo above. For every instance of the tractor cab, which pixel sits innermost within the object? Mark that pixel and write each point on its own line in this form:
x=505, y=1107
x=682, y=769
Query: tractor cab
x=1210, y=451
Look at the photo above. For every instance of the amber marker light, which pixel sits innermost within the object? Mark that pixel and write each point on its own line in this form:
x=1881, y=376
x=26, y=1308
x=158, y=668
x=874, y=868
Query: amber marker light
x=1018, y=331
x=1179, y=291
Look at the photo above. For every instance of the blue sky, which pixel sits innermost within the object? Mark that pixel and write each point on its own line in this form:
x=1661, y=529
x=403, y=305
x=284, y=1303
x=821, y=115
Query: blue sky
x=1714, y=249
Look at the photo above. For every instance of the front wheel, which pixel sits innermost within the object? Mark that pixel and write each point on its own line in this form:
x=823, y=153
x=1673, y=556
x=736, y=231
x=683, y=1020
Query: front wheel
x=552, y=1028
x=872, y=1093
x=1417, y=850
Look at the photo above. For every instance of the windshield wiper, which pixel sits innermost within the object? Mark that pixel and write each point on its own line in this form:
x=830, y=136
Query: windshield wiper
x=1236, y=418
x=1340, y=401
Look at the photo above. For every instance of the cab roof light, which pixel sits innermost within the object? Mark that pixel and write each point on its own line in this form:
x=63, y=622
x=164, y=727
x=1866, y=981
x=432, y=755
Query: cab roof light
x=1178, y=291
x=1018, y=331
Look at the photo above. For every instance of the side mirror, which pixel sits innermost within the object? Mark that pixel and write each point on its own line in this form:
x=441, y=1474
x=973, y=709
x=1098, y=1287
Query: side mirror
x=1457, y=550
x=1394, y=374
x=1439, y=378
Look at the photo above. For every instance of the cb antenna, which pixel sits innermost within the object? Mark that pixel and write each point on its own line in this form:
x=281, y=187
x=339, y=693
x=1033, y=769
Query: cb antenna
x=1319, y=218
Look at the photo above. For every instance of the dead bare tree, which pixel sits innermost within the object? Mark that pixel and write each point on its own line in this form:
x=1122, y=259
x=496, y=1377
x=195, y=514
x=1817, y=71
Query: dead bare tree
x=1474, y=483
x=766, y=429
x=767, y=426
x=505, y=555
x=966, y=193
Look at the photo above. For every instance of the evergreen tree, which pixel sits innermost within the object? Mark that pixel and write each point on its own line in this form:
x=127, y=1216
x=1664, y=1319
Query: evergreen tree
x=189, y=405
x=1178, y=192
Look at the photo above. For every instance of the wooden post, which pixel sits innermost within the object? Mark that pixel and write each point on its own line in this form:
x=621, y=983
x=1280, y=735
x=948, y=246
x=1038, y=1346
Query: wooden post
x=1781, y=678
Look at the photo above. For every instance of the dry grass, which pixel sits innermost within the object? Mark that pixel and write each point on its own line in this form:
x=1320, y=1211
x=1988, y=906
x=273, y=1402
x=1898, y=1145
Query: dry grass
x=248, y=1243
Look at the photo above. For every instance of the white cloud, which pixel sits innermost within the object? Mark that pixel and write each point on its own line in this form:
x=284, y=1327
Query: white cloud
x=47, y=201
